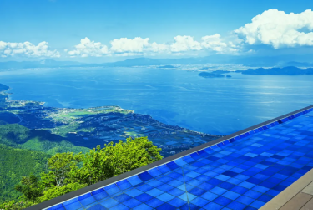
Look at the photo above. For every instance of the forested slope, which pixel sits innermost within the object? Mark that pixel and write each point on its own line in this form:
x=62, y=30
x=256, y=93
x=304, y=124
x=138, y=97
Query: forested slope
x=15, y=163
x=24, y=151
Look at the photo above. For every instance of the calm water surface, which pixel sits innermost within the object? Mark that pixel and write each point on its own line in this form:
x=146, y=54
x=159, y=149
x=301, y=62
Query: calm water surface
x=214, y=106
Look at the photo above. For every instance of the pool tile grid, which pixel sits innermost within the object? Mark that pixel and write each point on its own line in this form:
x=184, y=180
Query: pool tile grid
x=233, y=178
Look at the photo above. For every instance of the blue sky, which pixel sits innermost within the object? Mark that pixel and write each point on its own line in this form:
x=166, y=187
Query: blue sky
x=60, y=25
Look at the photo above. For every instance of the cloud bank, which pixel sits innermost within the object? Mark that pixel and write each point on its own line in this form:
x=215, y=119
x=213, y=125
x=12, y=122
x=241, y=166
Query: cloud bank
x=278, y=29
x=142, y=46
x=27, y=49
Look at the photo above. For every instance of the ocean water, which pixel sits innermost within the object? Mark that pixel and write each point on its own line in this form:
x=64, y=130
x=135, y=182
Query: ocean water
x=176, y=97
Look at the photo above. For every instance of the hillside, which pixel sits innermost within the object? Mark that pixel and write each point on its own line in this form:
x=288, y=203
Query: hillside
x=24, y=151
x=16, y=163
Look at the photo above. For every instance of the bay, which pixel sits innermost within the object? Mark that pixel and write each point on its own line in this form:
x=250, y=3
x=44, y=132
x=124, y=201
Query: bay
x=176, y=97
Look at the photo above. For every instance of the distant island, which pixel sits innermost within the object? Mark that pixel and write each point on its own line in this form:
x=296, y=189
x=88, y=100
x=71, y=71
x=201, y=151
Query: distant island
x=289, y=70
x=214, y=74
x=167, y=67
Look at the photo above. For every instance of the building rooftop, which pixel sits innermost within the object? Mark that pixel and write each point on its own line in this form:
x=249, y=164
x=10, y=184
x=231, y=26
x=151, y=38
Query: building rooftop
x=246, y=170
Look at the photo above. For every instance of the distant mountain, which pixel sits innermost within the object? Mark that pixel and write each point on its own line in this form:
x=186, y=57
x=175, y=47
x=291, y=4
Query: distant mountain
x=48, y=63
x=290, y=70
x=247, y=60
x=297, y=64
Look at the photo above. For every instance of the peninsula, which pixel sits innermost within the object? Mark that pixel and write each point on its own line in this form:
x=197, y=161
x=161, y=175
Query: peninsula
x=99, y=125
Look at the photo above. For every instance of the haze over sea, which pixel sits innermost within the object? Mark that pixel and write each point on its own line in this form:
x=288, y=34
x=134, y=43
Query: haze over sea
x=176, y=97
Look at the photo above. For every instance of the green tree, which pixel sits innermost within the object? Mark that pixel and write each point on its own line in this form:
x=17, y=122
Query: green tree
x=67, y=172
x=61, y=164
x=56, y=191
x=116, y=159
x=30, y=188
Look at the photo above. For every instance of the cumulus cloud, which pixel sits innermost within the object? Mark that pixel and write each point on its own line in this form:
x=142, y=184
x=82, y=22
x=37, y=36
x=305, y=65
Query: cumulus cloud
x=142, y=46
x=125, y=45
x=278, y=29
x=214, y=43
x=184, y=43
x=89, y=48
x=27, y=49
x=158, y=48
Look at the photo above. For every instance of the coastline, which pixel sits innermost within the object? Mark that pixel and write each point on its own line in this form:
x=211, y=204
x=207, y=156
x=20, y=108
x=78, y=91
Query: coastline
x=104, y=106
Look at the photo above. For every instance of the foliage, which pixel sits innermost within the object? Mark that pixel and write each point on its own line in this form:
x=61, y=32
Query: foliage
x=16, y=163
x=14, y=132
x=53, y=148
x=68, y=172
x=30, y=188
x=56, y=191
x=2, y=122
x=116, y=159
x=16, y=205
x=18, y=160
x=61, y=164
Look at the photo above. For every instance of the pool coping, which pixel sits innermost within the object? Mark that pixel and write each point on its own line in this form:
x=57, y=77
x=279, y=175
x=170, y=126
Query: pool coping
x=294, y=196
x=137, y=171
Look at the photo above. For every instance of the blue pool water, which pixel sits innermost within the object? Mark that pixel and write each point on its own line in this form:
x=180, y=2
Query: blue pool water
x=244, y=172
x=213, y=106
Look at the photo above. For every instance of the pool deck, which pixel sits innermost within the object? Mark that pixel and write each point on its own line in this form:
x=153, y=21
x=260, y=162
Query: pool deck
x=298, y=196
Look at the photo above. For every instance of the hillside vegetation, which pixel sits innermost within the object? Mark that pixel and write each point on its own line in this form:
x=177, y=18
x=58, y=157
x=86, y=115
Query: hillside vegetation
x=16, y=163
x=24, y=151
x=36, y=165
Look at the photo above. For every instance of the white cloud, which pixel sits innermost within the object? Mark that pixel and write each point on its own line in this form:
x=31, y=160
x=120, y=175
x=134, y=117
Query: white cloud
x=278, y=29
x=213, y=42
x=184, y=43
x=130, y=47
x=27, y=49
x=158, y=48
x=124, y=45
x=89, y=48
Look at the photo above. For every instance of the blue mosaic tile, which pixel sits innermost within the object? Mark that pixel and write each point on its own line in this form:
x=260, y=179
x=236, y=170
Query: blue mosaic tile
x=163, y=169
x=99, y=194
x=142, y=207
x=176, y=192
x=166, y=206
x=97, y=207
x=111, y=189
x=122, y=197
x=110, y=203
x=86, y=199
x=180, y=162
x=120, y=207
x=257, y=204
x=213, y=206
x=199, y=201
x=134, y=180
x=145, y=187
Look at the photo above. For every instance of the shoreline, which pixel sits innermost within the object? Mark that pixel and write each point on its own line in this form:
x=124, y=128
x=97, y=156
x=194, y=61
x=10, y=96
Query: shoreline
x=41, y=103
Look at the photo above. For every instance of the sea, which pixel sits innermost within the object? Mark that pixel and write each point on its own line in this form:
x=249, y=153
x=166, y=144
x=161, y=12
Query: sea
x=177, y=97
